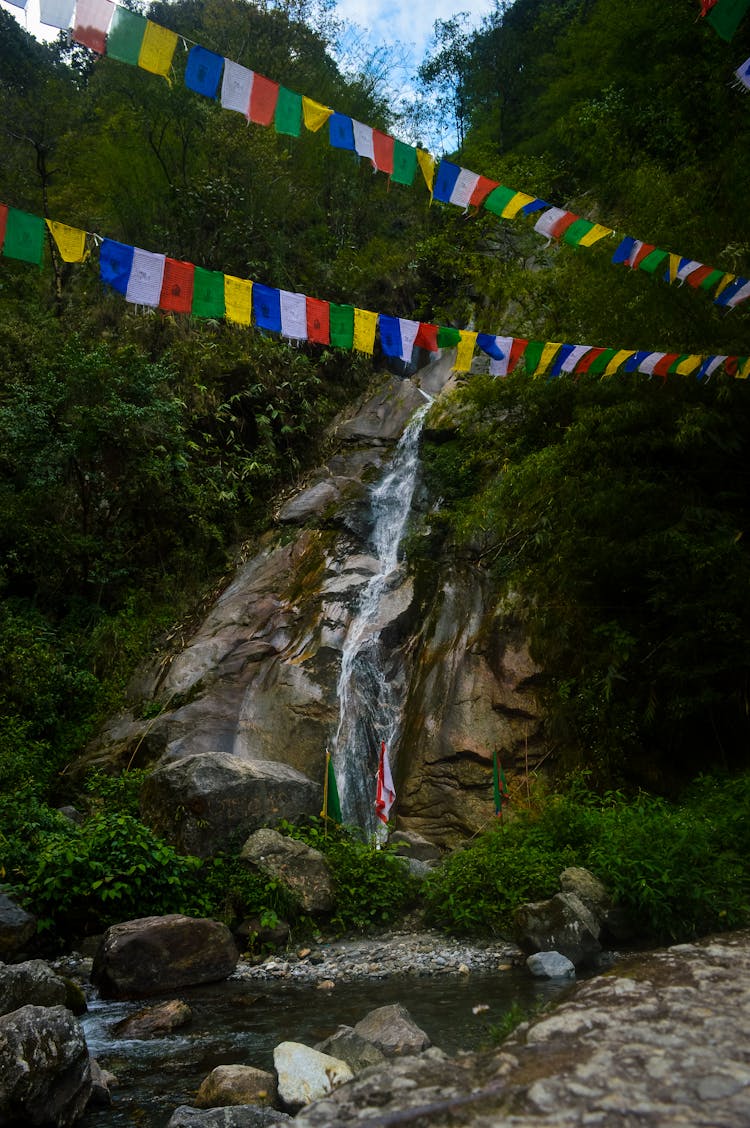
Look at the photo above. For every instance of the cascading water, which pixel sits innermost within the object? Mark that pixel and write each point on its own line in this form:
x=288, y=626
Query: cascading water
x=369, y=705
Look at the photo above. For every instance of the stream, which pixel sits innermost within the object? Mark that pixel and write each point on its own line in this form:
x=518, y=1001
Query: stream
x=240, y=1022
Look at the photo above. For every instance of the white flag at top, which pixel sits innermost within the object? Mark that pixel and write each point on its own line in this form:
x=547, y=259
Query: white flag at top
x=386, y=793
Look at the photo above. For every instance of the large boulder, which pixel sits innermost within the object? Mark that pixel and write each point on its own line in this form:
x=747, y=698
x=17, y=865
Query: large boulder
x=154, y=1022
x=207, y=801
x=162, y=953
x=45, y=1076
x=236, y=1116
x=301, y=868
x=237, y=1085
x=16, y=927
x=561, y=924
x=32, y=982
x=393, y=1031
x=356, y=1051
x=409, y=844
x=306, y=1075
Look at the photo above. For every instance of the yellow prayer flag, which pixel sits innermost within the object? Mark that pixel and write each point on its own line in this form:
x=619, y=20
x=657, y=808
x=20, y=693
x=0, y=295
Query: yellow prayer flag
x=364, y=330
x=744, y=372
x=617, y=360
x=674, y=266
x=71, y=241
x=596, y=233
x=723, y=284
x=157, y=49
x=520, y=200
x=689, y=365
x=315, y=114
x=427, y=164
x=465, y=351
x=549, y=352
x=238, y=299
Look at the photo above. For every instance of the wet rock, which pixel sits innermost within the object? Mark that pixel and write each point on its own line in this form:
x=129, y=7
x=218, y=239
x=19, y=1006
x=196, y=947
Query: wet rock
x=204, y=801
x=315, y=501
x=393, y=1031
x=239, y=1116
x=237, y=1085
x=154, y=1022
x=298, y=866
x=551, y=965
x=32, y=982
x=356, y=1051
x=45, y=1075
x=561, y=924
x=305, y=1074
x=102, y=1083
x=16, y=927
x=160, y=953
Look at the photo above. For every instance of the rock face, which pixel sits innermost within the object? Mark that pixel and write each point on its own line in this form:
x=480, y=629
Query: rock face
x=252, y=695
x=298, y=866
x=154, y=954
x=16, y=927
x=45, y=1077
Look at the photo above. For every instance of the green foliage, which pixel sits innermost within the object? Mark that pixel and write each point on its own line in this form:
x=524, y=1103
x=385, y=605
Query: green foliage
x=371, y=885
x=231, y=892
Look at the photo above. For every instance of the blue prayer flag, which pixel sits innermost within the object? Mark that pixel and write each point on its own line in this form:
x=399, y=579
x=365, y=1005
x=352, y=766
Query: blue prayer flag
x=203, y=71
x=390, y=335
x=488, y=343
x=115, y=264
x=267, y=307
x=445, y=181
x=341, y=131
x=624, y=251
x=562, y=356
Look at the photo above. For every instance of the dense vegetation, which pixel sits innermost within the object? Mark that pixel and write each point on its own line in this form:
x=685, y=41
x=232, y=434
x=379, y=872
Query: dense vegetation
x=139, y=452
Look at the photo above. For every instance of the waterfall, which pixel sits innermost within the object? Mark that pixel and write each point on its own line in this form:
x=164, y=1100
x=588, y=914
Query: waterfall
x=369, y=703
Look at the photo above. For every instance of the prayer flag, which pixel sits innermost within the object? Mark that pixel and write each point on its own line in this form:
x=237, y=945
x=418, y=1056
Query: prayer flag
x=465, y=351
x=125, y=36
x=288, y=113
x=518, y=201
x=341, y=131
x=726, y=15
x=709, y=282
x=632, y=364
x=517, y=350
x=238, y=299
x=341, y=325
x=662, y=367
x=699, y=276
x=618, y=360
x=70, y=241
x=499, y=198
x=363, y=337
x=688, y=364
x=586, y=361
x=571, y=362
x=733, y=293
x=709, y=366
x=24, y=236
x=157, y=50
x=404, y=163
x=293, y=311
x=534, y=206
x=177, y=286
x=640, y=252
x=427, y=337
x=364, y=144
x=390, y=335
x=554, y=222
x=740, y=295
x=653, y=261
x=549, y=352
x=408, y=330
x=448, y=337
x=315, y=114
x=674, y=265
x=146, y=275
x=563, y=355
x=318, y=321
x=624, y=251
x=203, y=71
x=115, y=261
x=267, y=307
x=208, y=293
x=384, y=148
x=455, y=185
x=599, y=363
x=532, y=356
x=499, y=786
x=649, y=362
x=57, y=13
x=331, y=803
x=236, y=86
x=481, y=191
x=426, y=163
x=3, y=223
x=686, y=268
x=500, y=355
x=386, y=793
x=491, y=345
x=596, y=233
x=92, y=21
x=743, y=74
x=726, y=280
x=263, y=98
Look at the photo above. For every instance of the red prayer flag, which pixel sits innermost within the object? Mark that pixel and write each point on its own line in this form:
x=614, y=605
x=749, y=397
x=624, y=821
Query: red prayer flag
x=263, y=98
x=517, y=349
x=586, y=361
x=426, y=337
x=558, y=229
x=662, y=367
x=92, y=21
x=482, y=189
x=730, y=365
x=177, y=286
x=707, y=5
x=318, y=321
x=698, y=276
x=3, y=221
x=386, y=793
x=383, y=147
x=644, y=252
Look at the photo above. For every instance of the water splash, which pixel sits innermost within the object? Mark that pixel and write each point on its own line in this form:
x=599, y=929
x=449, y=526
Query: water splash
x=369, y=701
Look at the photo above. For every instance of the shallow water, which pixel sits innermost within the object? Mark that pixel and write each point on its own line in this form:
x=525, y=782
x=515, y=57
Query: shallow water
x=238, y=1022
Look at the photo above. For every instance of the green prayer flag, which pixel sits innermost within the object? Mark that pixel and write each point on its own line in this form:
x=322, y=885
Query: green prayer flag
x=676, y=364
x=713, y=278
x=332, y=807
x=726, y=16
x=499, y=785
x=342, y=325
x=208, y=293
x=125, y=36
x=404, y=163
x=447, y=337
x=653, y=261
x=24, y=236
x=601, y=362
x=288, y=114
x=576, y=231
x=499, y=198
x=532, y=355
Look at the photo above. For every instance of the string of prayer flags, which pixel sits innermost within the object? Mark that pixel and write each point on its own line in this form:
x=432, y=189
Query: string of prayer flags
x=459, y=186
x=293, y=310
x=318, y=321
x=177, y=286
x=363, y=332
x=22, y=235
x=725, y=16
x=238, y=299
x=203, y=71
x=341, y=132
x=315, y=115
x=92, y=20
x=57, y=13
x=70, y=241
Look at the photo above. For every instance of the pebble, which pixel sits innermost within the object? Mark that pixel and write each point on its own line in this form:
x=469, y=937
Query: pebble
x=416, y=954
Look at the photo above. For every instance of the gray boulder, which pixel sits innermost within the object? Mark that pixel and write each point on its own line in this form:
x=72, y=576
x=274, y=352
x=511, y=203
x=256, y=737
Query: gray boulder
x=409, y=844
x=32, y=983
x=588, y=888
x=45, y=1075
x=306, y=1075
x=162, y=953
x=102, y=1082
x=204, y=802
x=561, y=924
x=16, y=927
x=351, y=1048
x=393, y=1031
x=236, y=1116
x=298, y=866
x=550, y=965
x=154, y=1022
